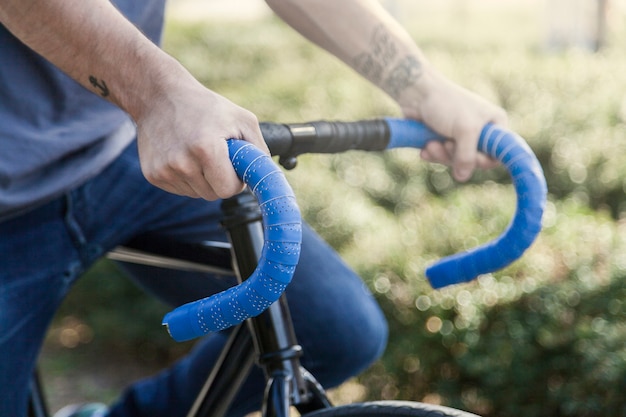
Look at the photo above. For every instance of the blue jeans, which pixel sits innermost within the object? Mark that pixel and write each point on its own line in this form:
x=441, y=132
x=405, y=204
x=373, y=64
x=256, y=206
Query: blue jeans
x=43, y=252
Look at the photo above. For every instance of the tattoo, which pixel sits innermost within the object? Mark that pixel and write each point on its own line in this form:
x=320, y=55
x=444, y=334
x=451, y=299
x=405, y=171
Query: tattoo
x=382, y=54
x=369, y=67
x=100, y=85
x=383, y=47
x=383, y=51
x=403, y=75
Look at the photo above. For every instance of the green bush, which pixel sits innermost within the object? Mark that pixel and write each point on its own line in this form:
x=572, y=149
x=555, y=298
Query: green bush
x=545, y=339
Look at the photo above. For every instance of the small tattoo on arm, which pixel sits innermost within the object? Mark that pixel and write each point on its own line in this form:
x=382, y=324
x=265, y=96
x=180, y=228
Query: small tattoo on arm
x=383, y=47
x=369, y=67
x=403, y=75
x=371, y=64
x=382, y=54
x=100, y=85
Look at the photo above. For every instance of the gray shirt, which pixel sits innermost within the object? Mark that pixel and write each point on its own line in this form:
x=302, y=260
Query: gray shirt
x=55, y=134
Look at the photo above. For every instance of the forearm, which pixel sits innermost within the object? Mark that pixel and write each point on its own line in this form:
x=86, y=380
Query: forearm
x=95, y=45
x=363, y=35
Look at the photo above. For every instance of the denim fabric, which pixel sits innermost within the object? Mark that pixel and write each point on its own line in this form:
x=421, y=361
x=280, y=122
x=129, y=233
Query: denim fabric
x=44, y=251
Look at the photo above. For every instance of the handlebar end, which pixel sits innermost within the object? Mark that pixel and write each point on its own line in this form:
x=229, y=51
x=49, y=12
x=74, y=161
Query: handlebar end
x=179, y=325
x=448, y=271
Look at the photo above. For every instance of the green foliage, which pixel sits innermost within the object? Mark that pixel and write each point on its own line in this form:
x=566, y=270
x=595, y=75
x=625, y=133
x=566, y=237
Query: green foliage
x=545, y=339
x=545, y=336
x=560, y=350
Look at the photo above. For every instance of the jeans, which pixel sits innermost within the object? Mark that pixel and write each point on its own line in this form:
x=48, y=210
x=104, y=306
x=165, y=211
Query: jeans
x=44, y=251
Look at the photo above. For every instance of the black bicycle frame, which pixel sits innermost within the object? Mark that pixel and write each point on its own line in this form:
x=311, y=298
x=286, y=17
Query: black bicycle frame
x=269, y=337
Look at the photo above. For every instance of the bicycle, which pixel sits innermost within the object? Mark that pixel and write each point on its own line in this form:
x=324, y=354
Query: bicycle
x=263, y=226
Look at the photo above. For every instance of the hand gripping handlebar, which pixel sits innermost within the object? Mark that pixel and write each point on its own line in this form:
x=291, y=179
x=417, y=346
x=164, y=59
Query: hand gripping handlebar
x=282, y=223
x=530, y=185
x=283, y=235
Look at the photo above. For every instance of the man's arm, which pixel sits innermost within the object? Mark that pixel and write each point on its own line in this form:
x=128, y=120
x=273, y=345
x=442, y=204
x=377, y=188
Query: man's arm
x=364, y=36
x=182, y=126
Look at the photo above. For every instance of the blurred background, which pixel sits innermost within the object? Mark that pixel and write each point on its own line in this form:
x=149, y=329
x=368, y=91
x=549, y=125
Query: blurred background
x=544, y=337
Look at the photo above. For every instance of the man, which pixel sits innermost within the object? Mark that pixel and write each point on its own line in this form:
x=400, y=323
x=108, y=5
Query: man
x=90, y=106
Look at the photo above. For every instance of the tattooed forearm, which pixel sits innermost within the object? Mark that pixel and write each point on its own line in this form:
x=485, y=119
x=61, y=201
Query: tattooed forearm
x=100, y=85
x=376, y=64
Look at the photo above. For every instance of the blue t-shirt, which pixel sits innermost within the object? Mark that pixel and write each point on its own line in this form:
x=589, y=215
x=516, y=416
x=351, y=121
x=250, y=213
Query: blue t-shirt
x=55, y=134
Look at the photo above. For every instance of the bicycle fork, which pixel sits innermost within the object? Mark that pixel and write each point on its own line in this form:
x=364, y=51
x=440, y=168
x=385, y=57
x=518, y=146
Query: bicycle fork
x=269, y=337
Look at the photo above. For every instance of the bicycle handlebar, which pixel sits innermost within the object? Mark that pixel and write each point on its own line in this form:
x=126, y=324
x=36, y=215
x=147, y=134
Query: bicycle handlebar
x=283, y=234
x=511, y=150
x=530, y=185
x=282, y=228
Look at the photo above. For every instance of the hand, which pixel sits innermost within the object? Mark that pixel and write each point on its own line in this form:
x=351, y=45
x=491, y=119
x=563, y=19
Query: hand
x=182, y=142
x=459, y=115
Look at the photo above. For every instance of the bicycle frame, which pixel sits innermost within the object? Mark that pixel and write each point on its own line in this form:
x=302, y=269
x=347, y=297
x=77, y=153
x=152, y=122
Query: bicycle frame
x=269, y=337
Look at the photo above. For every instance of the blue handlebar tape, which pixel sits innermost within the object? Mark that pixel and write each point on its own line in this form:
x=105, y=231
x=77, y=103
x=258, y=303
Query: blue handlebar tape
x=530, y=186
x=281, y=250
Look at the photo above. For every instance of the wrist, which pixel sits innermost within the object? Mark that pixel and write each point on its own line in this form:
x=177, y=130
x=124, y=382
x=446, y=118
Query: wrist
x=412, y=97
x=155, y=76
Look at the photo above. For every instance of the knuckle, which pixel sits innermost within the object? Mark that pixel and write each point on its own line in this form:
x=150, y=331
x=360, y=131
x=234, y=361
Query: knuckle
x=225, y=190
x=252, y=118
x=179, y=165
x=154, y=177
